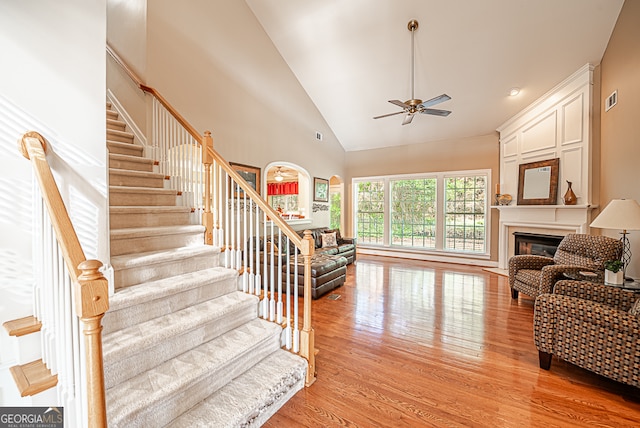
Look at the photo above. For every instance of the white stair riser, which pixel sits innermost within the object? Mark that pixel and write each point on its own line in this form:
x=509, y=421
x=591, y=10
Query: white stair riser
x=128, y=149
x=150, y=219
x=135, y=180
x=154, y=243
x=157, y=353
x=139, y=274
x=134, y=198
x=125, y=317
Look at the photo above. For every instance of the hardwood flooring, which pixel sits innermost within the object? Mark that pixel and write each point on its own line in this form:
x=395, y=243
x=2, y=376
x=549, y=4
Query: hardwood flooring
x=419, y=344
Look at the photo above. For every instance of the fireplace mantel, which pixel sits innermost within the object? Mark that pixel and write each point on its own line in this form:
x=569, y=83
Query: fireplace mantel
x=550, y=219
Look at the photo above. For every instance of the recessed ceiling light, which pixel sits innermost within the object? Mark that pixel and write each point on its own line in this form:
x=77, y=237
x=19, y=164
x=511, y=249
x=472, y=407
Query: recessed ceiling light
x=514, y=91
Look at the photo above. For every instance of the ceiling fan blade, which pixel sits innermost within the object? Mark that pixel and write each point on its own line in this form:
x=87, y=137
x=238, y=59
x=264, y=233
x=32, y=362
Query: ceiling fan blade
x=435, y=112
x=407, y=119
x=390, y=114
x=400, y=104
x=436, y=100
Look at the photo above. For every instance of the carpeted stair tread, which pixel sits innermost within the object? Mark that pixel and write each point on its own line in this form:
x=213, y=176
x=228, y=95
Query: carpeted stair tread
x=138, y=232
x=251, y=398
x=135, y=209
x=153, y=257
x=142, y=302
x=124, y=217
x=130, y=158
x=136, y=173
x=157, y=396
x=130, y=351
x=138, y=268
x=141, y=336
x=147, y=190
x=152, y=290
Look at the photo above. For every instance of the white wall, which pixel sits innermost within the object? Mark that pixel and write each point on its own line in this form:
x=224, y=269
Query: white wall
x=53, y=81
x=213, y=61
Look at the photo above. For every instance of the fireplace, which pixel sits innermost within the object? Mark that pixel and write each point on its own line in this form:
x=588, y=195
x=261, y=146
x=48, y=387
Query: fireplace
x=536, y=244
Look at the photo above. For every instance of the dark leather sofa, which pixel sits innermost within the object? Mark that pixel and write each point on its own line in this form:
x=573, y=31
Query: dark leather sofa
x=328, y=265
x=346, y=246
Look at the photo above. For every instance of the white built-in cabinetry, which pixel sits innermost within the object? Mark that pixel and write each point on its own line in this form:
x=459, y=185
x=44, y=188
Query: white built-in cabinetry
x=558, y=125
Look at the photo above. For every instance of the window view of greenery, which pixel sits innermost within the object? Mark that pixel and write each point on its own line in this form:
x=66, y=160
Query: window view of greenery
x=413, y=213
x=370, y=212
x=464, y=226
x=334, y=221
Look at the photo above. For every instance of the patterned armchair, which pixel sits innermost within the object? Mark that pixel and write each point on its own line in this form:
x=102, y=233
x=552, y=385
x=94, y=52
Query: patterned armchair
x=594, y=326
x=536, y=275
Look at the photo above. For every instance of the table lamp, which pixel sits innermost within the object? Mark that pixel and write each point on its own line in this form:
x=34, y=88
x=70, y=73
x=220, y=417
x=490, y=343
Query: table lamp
x=620, y=214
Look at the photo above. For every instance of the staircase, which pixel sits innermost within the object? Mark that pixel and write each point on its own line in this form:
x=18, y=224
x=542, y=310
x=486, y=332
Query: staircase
x=182, y=346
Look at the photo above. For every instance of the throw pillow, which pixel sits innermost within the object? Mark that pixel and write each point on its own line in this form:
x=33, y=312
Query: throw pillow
x=635, y=309
x=329, y=240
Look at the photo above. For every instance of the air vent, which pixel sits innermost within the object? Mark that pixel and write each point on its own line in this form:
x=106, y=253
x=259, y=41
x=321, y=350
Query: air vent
x=318, y=135
x=611, y=101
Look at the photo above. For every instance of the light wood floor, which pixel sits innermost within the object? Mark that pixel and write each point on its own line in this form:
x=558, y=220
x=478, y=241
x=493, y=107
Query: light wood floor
x=412, y=344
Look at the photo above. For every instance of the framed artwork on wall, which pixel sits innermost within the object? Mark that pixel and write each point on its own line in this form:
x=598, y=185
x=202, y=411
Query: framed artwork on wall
x=251, y=174
x=320, y=189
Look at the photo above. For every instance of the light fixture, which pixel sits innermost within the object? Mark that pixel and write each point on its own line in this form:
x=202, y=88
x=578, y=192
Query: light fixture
x=278, y=175
x=514, y=91
x=620, y=214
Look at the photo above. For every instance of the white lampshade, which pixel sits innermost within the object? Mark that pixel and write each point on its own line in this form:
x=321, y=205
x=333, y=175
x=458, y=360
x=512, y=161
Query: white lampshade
x=620, y=214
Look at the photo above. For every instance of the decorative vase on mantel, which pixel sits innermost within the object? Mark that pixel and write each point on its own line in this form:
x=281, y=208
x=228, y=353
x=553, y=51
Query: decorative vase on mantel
x=570, y=197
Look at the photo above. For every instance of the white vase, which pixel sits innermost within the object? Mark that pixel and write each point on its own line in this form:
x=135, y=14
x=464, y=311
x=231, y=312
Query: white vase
x=614, y=277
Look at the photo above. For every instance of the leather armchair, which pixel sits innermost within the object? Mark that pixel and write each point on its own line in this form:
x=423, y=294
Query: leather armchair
x=536, y=275
x=594, y=326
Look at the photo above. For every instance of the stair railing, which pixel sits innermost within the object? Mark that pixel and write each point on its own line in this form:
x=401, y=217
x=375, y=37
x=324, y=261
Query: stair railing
x=70, y=293
x=252, y=236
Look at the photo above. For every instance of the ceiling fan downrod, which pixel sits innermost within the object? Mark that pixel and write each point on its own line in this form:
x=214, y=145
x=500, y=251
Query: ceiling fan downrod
x=413, y=26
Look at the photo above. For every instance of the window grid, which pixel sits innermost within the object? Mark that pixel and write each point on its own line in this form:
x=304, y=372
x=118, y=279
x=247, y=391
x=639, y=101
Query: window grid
x=413, y=213
x=465, y=216
x=370, y=212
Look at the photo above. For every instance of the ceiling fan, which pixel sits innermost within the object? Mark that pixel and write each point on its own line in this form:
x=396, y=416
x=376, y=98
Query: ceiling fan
x=414, y=105
x=281, y=174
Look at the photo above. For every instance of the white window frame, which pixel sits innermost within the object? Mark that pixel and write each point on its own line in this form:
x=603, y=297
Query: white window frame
x=440, y=207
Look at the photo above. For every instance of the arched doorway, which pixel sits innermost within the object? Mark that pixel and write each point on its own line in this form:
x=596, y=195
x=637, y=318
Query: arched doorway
x=287, y=189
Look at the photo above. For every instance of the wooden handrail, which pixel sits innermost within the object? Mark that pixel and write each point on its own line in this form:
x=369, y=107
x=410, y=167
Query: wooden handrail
x=90, y=286
x=275, y=216
x=208, y=154
x=186, y=125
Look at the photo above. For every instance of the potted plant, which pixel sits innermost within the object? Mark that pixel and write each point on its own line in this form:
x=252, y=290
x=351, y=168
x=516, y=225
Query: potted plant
x=613, y=273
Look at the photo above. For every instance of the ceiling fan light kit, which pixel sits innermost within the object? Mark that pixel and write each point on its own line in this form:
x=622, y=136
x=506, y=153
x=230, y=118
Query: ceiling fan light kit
x=416, y=105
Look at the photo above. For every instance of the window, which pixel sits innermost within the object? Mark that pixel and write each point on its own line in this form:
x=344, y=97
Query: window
x=284, y=203
x=465, y=209
x=413, y=213
x=370, y=212
x=442, y=212
x=335, y=207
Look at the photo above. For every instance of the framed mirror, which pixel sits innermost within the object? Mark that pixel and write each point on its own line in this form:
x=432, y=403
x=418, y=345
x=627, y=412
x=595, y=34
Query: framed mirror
x=538, y=182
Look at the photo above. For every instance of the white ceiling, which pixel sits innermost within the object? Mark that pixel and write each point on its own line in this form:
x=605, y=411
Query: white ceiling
x=352, y=56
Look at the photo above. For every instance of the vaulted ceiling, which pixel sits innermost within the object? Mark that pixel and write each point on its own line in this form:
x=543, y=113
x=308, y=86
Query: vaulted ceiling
x=352, y=56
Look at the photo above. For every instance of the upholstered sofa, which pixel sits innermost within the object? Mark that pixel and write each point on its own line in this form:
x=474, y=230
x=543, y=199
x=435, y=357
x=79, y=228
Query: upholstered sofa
x=331, y=256
x=594, y=326
x=345, y=247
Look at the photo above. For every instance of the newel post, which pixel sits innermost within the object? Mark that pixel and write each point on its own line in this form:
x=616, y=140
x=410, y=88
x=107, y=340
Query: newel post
x=207, y=160
x=307, y=340
x=92, y=301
